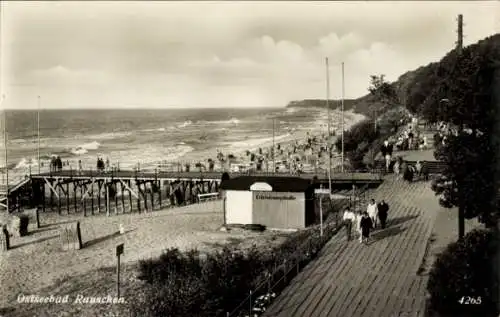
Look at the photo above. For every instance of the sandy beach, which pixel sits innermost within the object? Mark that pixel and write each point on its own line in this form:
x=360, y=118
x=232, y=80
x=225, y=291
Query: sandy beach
x=36, y=261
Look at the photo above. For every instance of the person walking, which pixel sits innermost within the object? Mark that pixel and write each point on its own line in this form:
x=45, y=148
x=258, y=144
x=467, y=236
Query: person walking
x=366, y=225
x=386, y=151
x=383, y=209
x=418, y=169
x=372, y=212
x=357, y=223
x=80, y=167
x=349, y=218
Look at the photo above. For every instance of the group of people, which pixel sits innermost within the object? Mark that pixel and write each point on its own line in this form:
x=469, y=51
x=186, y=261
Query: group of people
x=410, y=138
x=101, y=166
x=364, y=222
x=56, y=164
x=400, y=167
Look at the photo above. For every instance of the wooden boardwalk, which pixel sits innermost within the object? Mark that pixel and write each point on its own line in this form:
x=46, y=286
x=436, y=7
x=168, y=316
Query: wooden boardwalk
x=378, y=280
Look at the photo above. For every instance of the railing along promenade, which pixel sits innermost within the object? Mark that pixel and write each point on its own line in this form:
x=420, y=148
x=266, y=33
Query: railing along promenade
x=175, y=171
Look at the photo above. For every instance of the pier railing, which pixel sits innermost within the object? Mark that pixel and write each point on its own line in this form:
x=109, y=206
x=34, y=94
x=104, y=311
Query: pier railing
x=17, y=175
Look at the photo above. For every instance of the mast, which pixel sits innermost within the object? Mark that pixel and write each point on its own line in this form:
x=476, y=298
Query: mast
x=274, y=149
x=342, y=126
x=328, y=146
x=38, y=133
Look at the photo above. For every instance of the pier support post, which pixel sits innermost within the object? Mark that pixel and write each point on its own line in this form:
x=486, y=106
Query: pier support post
x=159, y=192
x=123, y=197
x=67, y=196
x=84, y=202
x=99, y=185
x=138, y=184
x=75, y=188
x=153, y=189
x=92, y=198
x=42, y=184
x=58, y=197
x=51, y=196
x=115, y=187
x=143, y=192
x=107, y=198
x=130, y=196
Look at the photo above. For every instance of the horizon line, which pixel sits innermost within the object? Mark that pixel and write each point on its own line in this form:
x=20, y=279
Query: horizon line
x=141, y=108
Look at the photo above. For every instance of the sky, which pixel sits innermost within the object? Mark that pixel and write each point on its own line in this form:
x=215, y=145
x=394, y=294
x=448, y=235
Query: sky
x=219, y=54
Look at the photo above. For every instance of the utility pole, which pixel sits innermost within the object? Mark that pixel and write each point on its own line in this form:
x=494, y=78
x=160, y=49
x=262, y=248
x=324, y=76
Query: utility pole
x=461, y=207
x=328, y=145
x=460, y=40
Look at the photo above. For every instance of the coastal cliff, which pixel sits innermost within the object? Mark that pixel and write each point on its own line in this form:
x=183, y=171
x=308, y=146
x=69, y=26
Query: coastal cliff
x=412, y=88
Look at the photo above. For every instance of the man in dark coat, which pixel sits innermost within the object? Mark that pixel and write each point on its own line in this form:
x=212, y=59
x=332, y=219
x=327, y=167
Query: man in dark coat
x=383, y=209
x=366, y=225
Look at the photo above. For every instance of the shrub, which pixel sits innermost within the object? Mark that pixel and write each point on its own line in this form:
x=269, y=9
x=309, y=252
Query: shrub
x=184, y=284
x=464, y=269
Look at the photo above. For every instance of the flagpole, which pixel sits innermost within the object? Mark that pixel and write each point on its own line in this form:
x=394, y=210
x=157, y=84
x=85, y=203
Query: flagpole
x=342, y=126
x=328, y=125
x=6, y=155
x=38, y=133
x=274, y=149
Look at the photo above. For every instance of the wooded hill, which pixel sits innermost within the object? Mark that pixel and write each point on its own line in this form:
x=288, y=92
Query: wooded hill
x=412, y=88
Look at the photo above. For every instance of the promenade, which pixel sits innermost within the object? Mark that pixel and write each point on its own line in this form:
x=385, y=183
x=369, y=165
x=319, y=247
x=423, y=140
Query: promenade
x=379, y=279
x=196, y=175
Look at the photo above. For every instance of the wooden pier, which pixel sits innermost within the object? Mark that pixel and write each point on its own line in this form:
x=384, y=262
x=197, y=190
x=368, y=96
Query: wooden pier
x=113, y=192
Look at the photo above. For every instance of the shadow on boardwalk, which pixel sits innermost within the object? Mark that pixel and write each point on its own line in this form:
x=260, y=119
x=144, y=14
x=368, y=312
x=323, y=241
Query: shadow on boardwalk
x=400, y=220
x=385, y=233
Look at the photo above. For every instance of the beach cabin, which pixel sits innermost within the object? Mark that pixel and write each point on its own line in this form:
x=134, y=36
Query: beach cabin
x=271, y=201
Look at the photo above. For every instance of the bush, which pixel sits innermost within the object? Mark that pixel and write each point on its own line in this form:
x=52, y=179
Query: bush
x=185, y=284
x=464, y=269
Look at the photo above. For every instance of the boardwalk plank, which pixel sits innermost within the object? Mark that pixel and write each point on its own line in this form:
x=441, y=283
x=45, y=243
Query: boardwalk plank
x=355, y=280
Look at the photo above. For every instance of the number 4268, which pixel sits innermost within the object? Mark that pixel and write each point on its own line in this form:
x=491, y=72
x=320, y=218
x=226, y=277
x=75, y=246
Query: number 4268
x=468, y=300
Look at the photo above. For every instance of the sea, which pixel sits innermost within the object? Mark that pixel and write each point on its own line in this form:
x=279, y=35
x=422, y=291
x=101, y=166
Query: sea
x=147, y=137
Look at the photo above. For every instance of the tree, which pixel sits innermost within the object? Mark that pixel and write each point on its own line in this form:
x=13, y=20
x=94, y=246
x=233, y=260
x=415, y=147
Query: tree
x=463, y=97
x=383, y=91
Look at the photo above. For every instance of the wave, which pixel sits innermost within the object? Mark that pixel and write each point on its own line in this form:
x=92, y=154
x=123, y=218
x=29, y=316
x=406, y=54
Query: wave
x=185, y=124
x=108, y=135
x=26, y=162
x=154, y=130
x=85, y=148
x=233, y=121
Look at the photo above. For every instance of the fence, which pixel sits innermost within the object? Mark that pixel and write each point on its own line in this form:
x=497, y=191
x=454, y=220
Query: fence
x=275, y=281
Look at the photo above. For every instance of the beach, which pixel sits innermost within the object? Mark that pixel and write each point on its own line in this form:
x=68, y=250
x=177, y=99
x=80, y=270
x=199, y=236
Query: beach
x=147, y=235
